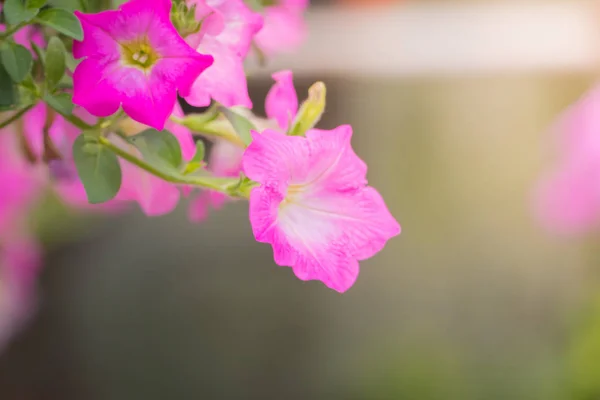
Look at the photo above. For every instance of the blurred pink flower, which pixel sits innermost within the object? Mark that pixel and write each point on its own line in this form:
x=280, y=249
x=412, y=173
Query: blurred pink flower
x=134, y=57
x=20, y=187
x=313, y=204
x=567, y=198
x=225, y=160
x=20, y=261
x=284, y=29
x=226, y=33
x=20, y=184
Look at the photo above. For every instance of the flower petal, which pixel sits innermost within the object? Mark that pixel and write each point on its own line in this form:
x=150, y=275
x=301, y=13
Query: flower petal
x=224, y=81
x=273, y=156
x=281, y=103
x=359, y=220
x=299, y=241
x=99, y=41
x=333, y=162
x=92, y=87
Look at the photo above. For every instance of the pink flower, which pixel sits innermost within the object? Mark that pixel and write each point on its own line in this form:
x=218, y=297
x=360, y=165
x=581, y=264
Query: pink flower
x=20, y=262
x=568, y=197
x=281, y=103
x=284, y=28
x=134, y=57
x=226, y=33
x=225, y=160
x=313, y=204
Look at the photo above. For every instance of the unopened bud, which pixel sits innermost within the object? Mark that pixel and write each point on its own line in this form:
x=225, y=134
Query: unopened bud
x=310, y=111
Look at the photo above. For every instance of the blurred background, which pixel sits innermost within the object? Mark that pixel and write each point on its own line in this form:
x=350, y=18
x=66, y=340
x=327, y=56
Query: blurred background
x=450, y=103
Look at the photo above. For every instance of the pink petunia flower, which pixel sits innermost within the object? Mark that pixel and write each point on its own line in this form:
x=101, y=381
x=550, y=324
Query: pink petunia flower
x=284, y=28
x=226, y=33
x=568, y=197
x=313, y=204
x=134, y=58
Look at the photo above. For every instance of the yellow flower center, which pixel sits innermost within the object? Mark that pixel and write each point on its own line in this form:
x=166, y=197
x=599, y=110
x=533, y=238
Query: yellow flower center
x=139, y=54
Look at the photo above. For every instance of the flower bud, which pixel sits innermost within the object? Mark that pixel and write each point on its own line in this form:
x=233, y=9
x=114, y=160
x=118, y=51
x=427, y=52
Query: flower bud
x=310, y=111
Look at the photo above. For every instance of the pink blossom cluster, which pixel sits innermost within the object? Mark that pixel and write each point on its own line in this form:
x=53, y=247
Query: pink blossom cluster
x=307, y=189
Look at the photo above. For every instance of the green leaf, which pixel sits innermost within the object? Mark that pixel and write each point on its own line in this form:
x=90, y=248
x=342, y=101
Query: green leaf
x=71, y=62
x=63, y=21
x=198, y=161
x=35, y=3
x=55, y=62
x=17, y=61
x=98, y=168
x=69, y=5
x=241, y=125
x=8, y=92
x=61, y=102
x=16, y=12
x=40, y=53
x=159, y=148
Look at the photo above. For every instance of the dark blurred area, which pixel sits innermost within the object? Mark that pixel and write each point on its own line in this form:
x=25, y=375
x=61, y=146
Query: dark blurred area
x=473, y=301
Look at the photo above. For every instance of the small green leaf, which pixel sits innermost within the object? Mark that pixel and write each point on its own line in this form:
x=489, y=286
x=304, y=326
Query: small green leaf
x=8, y=92
x=98, y=168
x=198, y=161
x=63, y=21
x=40, y=53
x=35, y=3
x=241, y=125
x=16, y=12
x=71, y=62
x=61, y=102
x=66, y=82
x=55, y=62
x=17, y=61
x=160, y=148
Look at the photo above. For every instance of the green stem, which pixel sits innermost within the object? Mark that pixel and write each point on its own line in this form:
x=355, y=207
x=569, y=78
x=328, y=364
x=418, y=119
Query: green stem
x=223, y=185
x=75, y=120
x=16, y=116
x=10, y=31
x=208, y=128
x=225, y=135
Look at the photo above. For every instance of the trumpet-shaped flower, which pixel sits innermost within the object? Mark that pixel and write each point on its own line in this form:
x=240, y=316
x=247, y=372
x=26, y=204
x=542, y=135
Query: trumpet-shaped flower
x=134, y=58
x=226, y=33
x=313, y=204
